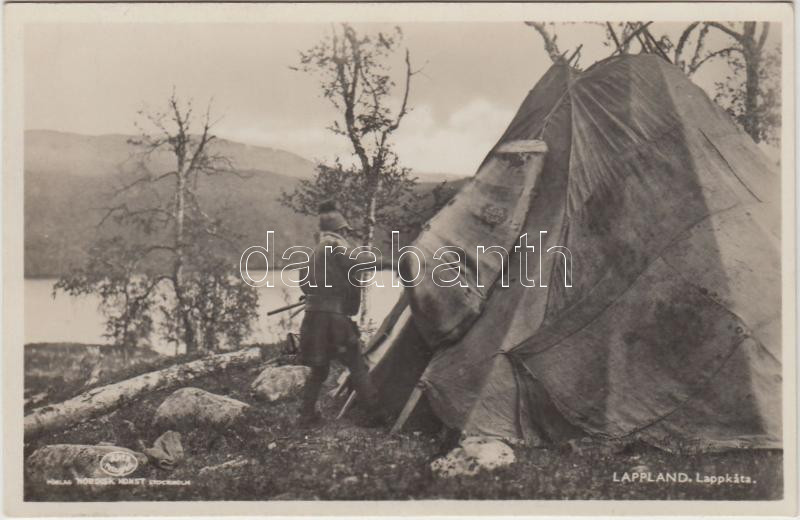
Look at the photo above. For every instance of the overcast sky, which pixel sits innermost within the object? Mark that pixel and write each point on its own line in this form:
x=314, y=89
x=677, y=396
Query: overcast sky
x=92, y=79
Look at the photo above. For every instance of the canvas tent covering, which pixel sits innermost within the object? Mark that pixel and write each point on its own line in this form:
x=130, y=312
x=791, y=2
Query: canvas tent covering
x=670, y=330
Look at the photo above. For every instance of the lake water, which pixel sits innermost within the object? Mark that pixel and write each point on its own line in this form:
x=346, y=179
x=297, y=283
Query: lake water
x=79, y=319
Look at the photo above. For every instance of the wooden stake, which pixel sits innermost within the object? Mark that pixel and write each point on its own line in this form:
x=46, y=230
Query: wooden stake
x=341, y=385
x=407, y=409
x=350, y=400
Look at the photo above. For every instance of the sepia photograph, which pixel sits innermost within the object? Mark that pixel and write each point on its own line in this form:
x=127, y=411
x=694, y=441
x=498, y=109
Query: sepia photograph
x=274, y=254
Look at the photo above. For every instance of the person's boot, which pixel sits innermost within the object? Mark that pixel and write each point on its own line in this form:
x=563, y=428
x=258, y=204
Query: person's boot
x=376, y=421
x=310, y=420
x=309, y=416
x=375, y=418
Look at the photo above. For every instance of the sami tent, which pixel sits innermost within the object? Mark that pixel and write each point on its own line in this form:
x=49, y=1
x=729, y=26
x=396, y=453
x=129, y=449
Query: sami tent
x=657, y=298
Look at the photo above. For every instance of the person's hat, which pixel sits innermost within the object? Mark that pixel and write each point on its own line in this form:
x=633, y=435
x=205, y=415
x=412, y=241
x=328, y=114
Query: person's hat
x=330, y=219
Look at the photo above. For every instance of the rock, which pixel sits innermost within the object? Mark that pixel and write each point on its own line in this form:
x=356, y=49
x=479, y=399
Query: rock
x=64, y=461
x=167, y=451
x=191, y=407
x=129, y=426
x=272, y=445
x=275, y=383
x=473, y=455
x=108, y=398
x=35, y=399
x=350, y=480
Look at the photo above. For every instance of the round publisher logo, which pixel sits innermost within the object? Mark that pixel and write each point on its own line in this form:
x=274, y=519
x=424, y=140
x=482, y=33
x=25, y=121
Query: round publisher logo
x=118, y=463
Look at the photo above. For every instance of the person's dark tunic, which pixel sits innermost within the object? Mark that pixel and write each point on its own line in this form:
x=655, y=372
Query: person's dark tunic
x=328, y=331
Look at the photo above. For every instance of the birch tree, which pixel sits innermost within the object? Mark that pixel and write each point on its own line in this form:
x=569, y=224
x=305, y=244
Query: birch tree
x=750, y=91
x=161, y=255
x=750, y=88
x=371, y=187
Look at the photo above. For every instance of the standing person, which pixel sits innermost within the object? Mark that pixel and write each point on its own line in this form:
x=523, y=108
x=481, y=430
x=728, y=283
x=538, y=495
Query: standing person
x=328, y=331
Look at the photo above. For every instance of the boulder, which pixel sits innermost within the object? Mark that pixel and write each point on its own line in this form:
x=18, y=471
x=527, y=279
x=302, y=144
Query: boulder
x=473, y=455
x=67, y=461
x=192, y=407
x=167, y=451
x=275, y=383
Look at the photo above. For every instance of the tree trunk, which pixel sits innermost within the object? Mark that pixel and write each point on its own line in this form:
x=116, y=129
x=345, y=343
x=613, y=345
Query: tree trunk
x=368, y=240
x=751, y=125
x=182, y=309
x=104, y=399
x=125, y=328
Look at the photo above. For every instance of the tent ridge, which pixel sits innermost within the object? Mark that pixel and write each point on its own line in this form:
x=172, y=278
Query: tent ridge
x=565, y=410
x=706, y=295
x=675, y=238
x=730, y=168
x=621, y=157
x=556, y=107
x=696, y=390
x=575, y=416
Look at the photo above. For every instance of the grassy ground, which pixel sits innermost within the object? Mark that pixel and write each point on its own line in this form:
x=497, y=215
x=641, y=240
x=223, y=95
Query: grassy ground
x=274, y=461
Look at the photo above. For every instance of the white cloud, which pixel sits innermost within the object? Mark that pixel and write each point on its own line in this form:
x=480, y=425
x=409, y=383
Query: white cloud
x=455, y=146
x=458, y=145
x=314, y=141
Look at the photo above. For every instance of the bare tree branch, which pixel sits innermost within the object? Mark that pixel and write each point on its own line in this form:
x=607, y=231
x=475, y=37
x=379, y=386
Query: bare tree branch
x=698, y=49
x=737, y=36
x=684, y=37
x=125, y=212
x=721, y=53
x=550, y=45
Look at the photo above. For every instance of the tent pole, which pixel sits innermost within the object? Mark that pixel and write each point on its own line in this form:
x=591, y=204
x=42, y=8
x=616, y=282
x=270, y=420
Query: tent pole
x=572, y=57
x=407, y=409
x=341, y=385
x=350, y=400
x=634, y=34
x=614, y=36
x=644, y=44
x=655, y=44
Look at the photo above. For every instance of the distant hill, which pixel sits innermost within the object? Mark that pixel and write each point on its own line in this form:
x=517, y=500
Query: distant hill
x=68, y=178
x=94, y=156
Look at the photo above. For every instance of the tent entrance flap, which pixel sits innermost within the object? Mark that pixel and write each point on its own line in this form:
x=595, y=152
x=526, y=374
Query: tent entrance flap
x=489, y=211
